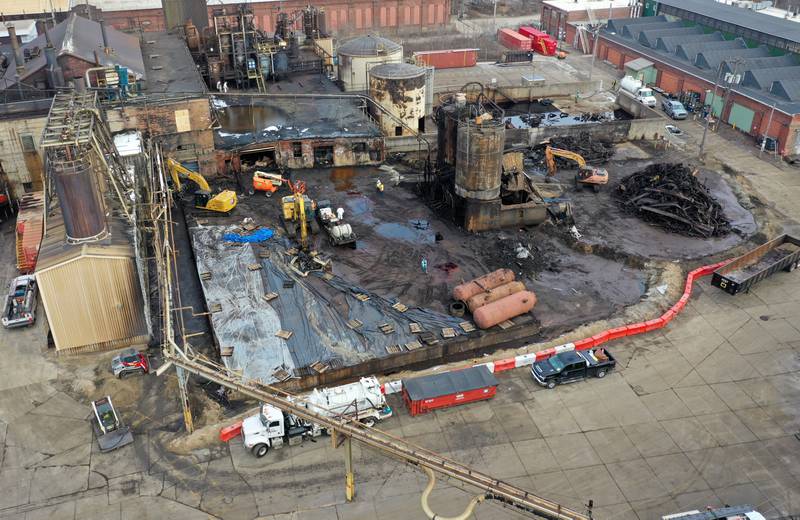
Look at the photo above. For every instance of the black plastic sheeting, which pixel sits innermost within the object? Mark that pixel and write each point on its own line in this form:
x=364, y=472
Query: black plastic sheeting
x=447, y=383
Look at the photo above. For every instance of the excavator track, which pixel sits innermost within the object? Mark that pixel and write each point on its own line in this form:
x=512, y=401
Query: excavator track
x=387, y=444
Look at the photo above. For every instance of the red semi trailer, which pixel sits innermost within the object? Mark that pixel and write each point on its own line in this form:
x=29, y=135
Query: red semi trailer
x=423, y=394
x=513, y=40
x=541, y=42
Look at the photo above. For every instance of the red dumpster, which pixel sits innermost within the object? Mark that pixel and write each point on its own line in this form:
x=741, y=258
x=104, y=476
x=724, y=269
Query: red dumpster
x=541, y=42
x=447, y=59
x=423, y=394
x=513, y=40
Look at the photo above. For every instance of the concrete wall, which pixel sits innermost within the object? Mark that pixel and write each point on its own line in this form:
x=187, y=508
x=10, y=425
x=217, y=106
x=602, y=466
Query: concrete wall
x=614, y=131
x=22, y=167
x=408, y=143
x=548, y=90
x=343, y=16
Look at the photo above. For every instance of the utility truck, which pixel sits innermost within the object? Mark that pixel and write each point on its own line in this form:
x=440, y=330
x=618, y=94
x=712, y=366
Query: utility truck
x=638, y=90
x=361, y=401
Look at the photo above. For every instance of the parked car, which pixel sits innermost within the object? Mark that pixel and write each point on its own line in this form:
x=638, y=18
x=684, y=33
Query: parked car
x=572, y=366
x=128, y=362
x=770, y=144
x=673, y=108
x=20, y=305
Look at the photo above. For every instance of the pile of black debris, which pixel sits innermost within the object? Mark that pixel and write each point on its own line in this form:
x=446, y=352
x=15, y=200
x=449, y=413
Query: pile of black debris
x=670, y=196
x=592, y=150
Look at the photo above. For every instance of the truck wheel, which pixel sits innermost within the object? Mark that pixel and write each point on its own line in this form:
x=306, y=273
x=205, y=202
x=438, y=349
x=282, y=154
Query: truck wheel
x=369, y=422
x=259, y=450
x=596, y=188
x=601, y=374
x=551, y=384
x=791, y=267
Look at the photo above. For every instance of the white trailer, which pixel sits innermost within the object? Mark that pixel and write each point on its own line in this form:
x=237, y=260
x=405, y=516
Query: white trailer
x=271, y=428
x=638, y=90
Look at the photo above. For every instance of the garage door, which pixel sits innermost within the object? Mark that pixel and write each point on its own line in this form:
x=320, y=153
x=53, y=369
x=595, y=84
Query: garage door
x=716, y=103
x=741, y=118
x=669, y=82
x=614, y=57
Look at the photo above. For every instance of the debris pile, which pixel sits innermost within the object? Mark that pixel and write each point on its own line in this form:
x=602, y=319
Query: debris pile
x=671, y=197
x=590, y=149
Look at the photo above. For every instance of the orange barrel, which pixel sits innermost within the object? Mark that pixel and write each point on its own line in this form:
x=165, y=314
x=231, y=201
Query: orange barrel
x=492, y=295
x=504, y=309
x=465, y=291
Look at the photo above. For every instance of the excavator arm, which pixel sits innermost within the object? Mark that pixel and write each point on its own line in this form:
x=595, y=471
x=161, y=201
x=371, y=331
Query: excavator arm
x=550, y=153
x=178, y=172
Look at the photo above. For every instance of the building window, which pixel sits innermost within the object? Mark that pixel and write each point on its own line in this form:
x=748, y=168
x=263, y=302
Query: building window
x=27, y=186
x=297, y=149
x=359, y=147
x=398, y=130
x=28, y=145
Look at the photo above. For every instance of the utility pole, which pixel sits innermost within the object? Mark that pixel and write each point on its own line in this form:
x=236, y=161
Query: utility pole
x=765, y=134
x=596, y=36
x=711, y=111
x=733, y=82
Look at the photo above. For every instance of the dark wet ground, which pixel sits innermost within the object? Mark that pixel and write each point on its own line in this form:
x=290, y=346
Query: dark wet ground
x=601, y=222
x=396, y=231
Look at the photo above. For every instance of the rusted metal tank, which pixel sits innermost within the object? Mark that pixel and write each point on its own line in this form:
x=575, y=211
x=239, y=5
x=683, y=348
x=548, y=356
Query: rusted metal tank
x=79, y=198
x=465, y=291
x=504, y=309
x=400, y=89
x=492, y=295
x=479, y=158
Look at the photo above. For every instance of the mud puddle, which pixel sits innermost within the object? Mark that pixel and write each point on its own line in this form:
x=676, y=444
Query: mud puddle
x=246, y=119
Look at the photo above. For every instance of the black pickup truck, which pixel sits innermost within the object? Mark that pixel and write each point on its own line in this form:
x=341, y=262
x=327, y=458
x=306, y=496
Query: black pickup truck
x=572, y=366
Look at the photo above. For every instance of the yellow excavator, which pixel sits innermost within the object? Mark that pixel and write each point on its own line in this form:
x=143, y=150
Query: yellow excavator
x=222, y=202
x=298, y=218
x=587, y=175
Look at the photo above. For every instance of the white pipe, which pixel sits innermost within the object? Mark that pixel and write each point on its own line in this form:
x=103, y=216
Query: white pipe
x=433, y=516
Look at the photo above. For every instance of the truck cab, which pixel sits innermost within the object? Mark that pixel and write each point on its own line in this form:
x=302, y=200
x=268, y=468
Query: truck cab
x=572, y=366
x=271, y=427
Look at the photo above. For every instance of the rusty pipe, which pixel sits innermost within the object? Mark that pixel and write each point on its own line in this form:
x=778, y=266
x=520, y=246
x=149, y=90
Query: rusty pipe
x=433, y=516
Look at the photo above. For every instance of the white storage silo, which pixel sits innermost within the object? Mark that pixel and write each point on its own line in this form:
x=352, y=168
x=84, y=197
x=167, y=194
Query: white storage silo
x=355, y=57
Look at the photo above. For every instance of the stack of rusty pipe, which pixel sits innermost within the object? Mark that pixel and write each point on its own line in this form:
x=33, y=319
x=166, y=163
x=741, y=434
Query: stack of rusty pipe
x=495, y=298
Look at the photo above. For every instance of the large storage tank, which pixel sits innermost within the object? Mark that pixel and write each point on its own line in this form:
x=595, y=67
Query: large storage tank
x=467, y=290
x=504, y=309
x=355, y=57
x=479, y=159
x=400, y=89
x=81, y=206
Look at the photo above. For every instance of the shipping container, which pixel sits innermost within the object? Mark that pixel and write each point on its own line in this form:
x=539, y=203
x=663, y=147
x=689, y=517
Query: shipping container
x=767, y=259
x=541, y=42
x=423, y=394
x=447, y=59
x=29, y=230
x=513, y=40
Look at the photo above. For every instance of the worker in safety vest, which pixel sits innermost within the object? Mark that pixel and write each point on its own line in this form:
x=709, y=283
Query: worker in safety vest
x=379, y=186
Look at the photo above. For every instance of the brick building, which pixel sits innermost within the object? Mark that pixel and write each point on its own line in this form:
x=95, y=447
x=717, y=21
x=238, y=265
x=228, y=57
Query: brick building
x=343, y=16
x=694, y=44
x=559, y=18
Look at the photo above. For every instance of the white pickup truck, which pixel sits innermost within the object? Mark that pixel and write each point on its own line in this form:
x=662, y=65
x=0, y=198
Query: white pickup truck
x=271, y=428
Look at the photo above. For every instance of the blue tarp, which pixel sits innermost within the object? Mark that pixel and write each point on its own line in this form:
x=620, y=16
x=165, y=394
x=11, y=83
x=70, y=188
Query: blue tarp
x=260, y=235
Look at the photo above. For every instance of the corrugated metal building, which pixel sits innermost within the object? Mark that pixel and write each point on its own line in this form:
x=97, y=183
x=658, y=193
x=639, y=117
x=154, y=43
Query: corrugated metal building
x=91, y=291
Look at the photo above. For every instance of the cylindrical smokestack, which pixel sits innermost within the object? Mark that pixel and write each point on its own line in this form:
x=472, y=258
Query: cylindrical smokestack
x=105, y=36
x=12, y=34
x=41, y=27
x=55, y=76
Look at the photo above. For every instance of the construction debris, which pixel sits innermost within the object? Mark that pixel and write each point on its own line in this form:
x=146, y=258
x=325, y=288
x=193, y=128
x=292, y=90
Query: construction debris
x=269, y=296
x=670, y=196
x=285, y=334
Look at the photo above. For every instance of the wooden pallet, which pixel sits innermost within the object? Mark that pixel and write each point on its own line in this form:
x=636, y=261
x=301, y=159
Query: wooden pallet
x=386, y=328
x=254, y=267
x=413, y=345
x=429, y=338
x=215, y=307
x=467, y=326
x=354, y=324
x=394, y=349
x=449, y=332
x=269, y=296
x=319, y=367
x=362, y=297
x=226, y=351
x=281, y=375
x=264, y=253
x=415, y=328
x=205, y=276
x=399, y=307
x=285, y=334
x=505, y=324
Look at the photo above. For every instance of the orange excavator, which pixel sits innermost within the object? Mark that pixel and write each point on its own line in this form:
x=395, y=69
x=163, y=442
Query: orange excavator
x=587, y=175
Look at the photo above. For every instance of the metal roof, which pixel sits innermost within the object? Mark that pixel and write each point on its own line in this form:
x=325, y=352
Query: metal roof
x=649, y=37
x=744, y=18
x=633, y=30
x=396, y=71
x=689, y=51
x=436, y=385
x=711, y=59
x=763, y=78
x=81, y=38
x=638, y=64
x=788, y=89
x=368, y=45
x=762, y=63
x=669, y=43
x=618, y=24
